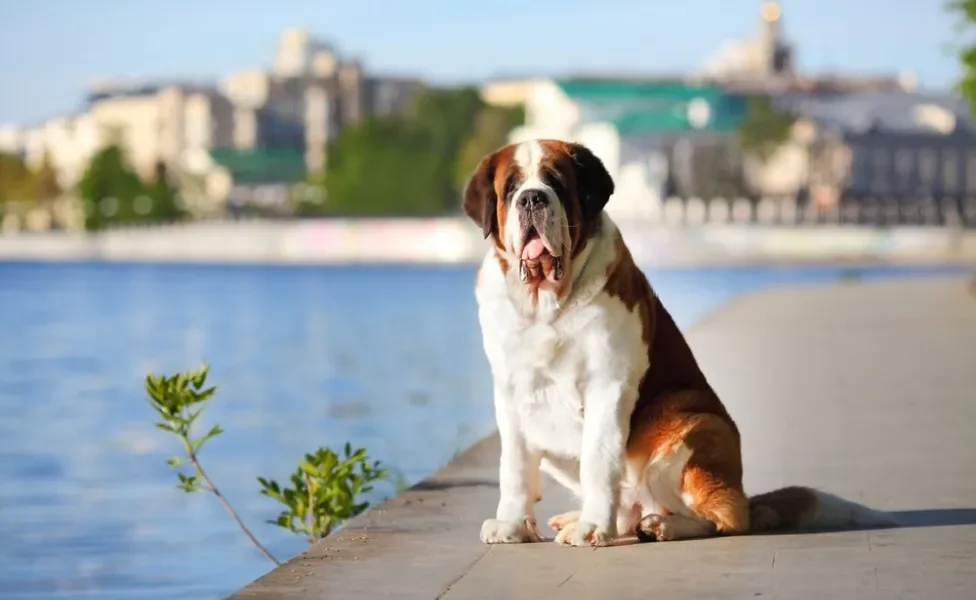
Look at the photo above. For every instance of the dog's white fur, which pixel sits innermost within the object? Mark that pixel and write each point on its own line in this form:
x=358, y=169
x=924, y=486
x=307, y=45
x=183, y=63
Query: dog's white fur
x=567, y=371
x=555, y=233
x=564, y=388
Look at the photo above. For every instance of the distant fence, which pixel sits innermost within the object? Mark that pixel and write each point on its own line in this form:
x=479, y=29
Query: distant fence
x=682, y=237
x=786, y=211
x=868, y=211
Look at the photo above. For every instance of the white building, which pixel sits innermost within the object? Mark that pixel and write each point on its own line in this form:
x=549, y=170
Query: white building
x=630, y=125
x=11, y=139
x=164, y=124
x=67, y=142
x=298, y=54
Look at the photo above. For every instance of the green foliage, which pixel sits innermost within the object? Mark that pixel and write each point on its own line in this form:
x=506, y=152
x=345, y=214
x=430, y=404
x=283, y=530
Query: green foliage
x=178, y=399
x=965, y=12
x=764, y=128
x=163, y=195
x=326, y=488
x=324, y=491
x=16, y=179
x=491, y=129
x=45, y=184
x=411, y=165
x=19, y=183
x=109, y=188
x=112, y=192
x=382, y=167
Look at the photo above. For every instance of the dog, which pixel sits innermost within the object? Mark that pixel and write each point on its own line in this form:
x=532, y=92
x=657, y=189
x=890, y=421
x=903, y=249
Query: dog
x=594, y=384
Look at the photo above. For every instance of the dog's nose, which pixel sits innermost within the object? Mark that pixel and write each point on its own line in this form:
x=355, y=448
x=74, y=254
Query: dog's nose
x=532, y=199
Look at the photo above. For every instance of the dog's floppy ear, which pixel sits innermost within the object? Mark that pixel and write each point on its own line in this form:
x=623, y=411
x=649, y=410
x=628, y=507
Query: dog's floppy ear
x=480, y=200
x=592, y=179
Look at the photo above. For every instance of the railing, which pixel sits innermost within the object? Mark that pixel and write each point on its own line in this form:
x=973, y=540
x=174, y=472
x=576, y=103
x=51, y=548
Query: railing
x=864, y=212
x=870, y=211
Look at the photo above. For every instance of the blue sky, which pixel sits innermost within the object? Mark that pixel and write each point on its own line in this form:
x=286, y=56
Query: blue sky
x=51, y=49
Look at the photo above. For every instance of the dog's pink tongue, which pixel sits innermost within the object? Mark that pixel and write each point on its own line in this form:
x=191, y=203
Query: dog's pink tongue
x=533, y=249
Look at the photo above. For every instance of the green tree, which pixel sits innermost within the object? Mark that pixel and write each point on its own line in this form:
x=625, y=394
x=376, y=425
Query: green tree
x=325, y=492
x=45, y=184
x=16, y=179
x=412, y=164
x=491, y=128
x=764, y=128
x=382, y=167
x=163, y=194
x=109, y=188
x=327, y=487
x=965, y=12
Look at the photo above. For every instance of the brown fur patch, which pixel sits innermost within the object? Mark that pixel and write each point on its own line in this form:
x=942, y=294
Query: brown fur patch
x=677, y=405
x=580, y=181
x=713, y=476
x=504, y=169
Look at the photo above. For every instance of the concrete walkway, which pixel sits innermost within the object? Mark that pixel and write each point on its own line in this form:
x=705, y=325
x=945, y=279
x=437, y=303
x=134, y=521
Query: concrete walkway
x=865, y=390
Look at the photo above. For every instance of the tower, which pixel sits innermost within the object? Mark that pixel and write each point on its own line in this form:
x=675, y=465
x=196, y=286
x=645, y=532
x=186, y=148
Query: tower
x=776, y=57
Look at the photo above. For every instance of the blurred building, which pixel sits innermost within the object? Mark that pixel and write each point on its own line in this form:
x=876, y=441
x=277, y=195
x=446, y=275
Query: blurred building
x=240, y=137
x=641, y=129
x=884, y=145
x=291, y=111
x=764, y=56
x=67, y=142
x=509, y=92
x=766, y=62
x=162, y=123
x=308, y=95
x=678, y=135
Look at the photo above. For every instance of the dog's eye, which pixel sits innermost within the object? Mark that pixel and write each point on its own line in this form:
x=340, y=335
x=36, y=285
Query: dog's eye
x=510, y=188
x=555, y=180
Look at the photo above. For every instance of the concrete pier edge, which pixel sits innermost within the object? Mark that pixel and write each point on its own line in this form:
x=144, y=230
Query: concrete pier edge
x=840, y=386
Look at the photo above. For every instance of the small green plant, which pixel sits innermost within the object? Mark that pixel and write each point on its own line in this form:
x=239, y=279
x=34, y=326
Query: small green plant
x=324, y=492
x=326, y=487
x=764, y=129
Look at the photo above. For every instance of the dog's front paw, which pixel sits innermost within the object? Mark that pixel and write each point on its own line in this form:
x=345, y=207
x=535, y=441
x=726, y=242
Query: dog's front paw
x=494, y=531
x=579, y=533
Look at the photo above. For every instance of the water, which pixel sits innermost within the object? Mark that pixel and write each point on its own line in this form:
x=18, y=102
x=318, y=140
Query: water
x=386, y=357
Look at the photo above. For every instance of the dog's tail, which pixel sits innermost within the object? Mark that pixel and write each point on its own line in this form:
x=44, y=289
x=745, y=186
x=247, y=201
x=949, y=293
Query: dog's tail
x=804, y=508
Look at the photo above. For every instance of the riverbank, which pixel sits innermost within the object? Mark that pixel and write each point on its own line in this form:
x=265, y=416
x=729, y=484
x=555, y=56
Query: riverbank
x=820, y=399
x=457, y=241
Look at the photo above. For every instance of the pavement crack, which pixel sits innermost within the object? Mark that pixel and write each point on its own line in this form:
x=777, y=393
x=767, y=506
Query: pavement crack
x=463, y=573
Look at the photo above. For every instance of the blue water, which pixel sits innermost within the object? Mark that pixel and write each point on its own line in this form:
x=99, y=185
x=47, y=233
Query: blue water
x=386, y=357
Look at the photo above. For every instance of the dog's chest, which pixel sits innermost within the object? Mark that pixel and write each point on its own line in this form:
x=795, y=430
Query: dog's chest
x=548, y=370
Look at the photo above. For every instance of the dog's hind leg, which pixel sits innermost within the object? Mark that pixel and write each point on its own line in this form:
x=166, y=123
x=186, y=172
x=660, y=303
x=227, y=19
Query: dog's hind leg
x=700, y=483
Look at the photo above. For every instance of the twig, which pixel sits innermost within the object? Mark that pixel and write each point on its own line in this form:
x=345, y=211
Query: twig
x=230, y=510
x=311, y=510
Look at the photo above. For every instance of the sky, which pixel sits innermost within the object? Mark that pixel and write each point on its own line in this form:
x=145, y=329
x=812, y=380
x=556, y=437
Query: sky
x=50, y=50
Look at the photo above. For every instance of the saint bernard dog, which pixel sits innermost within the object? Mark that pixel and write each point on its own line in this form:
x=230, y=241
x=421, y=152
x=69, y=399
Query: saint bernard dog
x=594, y=383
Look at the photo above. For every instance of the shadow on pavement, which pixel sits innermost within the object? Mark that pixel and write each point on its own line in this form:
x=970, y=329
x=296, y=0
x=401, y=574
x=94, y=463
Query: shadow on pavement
x=936, y=517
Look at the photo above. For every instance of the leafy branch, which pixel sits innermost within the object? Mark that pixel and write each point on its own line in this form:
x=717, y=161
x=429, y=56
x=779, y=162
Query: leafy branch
x=965, y=12
x=174, y=399
x=324, y=492
x=325, y=486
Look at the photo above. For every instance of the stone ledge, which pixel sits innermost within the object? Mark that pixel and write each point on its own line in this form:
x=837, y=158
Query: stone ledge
x=862, y=389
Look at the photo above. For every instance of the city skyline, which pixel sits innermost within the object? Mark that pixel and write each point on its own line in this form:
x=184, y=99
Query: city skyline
x=185, y=40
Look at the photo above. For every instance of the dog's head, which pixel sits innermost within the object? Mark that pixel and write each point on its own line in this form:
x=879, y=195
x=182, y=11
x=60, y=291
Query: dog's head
x=540, y=200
